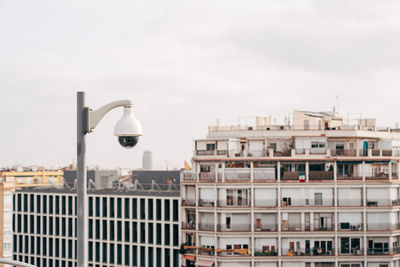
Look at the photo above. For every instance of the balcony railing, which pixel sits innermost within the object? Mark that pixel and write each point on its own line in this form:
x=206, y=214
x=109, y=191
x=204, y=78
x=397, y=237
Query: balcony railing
x=189, y=226
x=205, y=152
x=324, y=228
x=243, y=204
x=344, y=152
x=382, y=226
x=308, y=252
x=291, y=226
x=206, y=203
x=207, y=176
x=189, y=176
x=379, y=202
x=234, y=227
x=222, y=152
x=188, y=202
x=348, y=202
x=206, y=226
x=293, y=202
x=378, y=176
x=264, y=174
x=261, y=253
x=283, y=153
x=377, y=251
x=288, y=175
x=266, y=227
x=346, y=226
x=351, y=251
x=349, y=177
x=320, y=175
x=237, y=174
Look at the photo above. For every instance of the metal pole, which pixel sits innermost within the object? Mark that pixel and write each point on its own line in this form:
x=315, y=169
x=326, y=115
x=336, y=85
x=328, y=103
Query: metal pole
x=82, y=235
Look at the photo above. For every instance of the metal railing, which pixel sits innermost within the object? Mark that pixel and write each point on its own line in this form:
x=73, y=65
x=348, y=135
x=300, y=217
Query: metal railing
x=222, y=152
x=207, y=176
x=224, y=203
x=351, y=251
x=190, y=176
x=206, y=203
x=264, y=227
x=205, y=152
x=234, y=227
x=206, y=226
x=189, y=226
x=188, y=202
x=321, y=175
x=307, y=252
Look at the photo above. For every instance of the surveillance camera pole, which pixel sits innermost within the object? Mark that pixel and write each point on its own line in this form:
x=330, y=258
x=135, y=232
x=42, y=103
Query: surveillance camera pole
x=87, y=120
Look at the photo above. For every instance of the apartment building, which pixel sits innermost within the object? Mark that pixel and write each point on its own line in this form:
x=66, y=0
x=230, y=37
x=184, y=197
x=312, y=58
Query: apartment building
x=317, y=191
x=131, y=223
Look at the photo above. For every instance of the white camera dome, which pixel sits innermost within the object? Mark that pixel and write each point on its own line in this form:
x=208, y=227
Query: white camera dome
x=128, y=125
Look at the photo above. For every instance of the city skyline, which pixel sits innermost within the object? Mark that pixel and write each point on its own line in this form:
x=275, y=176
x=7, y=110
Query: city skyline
x=185, y=65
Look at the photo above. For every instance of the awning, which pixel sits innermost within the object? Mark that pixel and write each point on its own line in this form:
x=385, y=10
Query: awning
x=189, y=257
x=204, y=263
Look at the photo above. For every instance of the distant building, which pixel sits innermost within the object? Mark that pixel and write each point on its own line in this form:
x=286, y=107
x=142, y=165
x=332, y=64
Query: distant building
x=147, y=160
x=11, y=179
x=95, y=178
x=129, y=224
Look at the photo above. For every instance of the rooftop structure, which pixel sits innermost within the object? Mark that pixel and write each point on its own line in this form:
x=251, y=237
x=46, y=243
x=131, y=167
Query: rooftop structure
x=315, y=192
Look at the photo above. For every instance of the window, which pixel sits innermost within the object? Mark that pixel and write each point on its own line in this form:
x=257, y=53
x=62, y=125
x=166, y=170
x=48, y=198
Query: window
x=44, y=204
x=57, y=205
x=142, y=233
x=119, y=254
x=112, y=230
x=166, y=210
x=112, y=213
x=105, y=230
x=166, y=234
x=126, y=208
x=134, y=255
x=175, y=235
x=126, y=231
x=63, y=205
x=90, y=228
x=167, y=257
x=38, y=205
x=159, y=263
x=150, y=234
x=97, y=227
x=97, y=206
x=142, y=256
x=151, y=255
x=104, y=252
x=158, y=210
x=150, y=209
x=210, y=147
x=105, y=207
x=142, y=209
x=119, y=231
x=158, y=228
x=70, y=205
x=134, y=232
x=112, y=253
x=90, y=206
x=175, y=210
x=127, y=255
x=134, y=208
x=119, y=207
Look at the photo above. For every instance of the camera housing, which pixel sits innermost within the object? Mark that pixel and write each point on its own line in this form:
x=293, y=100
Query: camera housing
x=128, y=129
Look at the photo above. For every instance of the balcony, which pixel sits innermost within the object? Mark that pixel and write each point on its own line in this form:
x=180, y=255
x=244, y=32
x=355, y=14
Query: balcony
x=288, y=175
x=233, y=252
x=350, y=202
x=206, y=226
x=207, y=177
x=283, y=153
x=237, y=174
x=300, y=202
x=320, y=175
x=265, y=252
x=378, y=251
x=246, y=227
x=352, y=251
x=324, y=228
x=205, y=152
x=229, y=204
x=291, y=226
x=222, y=152
x=344, y=152
x=189, y=176
x=346, y=226
x=349, y=177
x=382, y=226
x=308, y=252
x=378, y=176
x=189, y=202
x=189, y=226
x=265, y=227
x=206, y=203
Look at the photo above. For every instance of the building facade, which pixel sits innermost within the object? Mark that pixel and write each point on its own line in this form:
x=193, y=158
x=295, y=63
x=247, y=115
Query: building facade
x=315, y=192
x=127, y=227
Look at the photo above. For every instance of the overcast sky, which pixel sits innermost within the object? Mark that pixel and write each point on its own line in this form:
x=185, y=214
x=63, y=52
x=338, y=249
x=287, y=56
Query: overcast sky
x=185, y=64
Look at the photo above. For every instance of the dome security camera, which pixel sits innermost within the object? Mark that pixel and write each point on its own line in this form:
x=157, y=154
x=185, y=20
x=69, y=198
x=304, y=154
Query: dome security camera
x=128, y=129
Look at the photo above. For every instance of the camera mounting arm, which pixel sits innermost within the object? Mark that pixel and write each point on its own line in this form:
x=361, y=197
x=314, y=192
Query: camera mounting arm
x=93, y=117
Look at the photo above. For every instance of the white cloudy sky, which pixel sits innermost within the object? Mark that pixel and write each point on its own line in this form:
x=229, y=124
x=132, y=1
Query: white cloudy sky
x=185, y=64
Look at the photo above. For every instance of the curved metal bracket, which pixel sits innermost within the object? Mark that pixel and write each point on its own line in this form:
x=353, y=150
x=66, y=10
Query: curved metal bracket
x=93, y=117
x=15, y=263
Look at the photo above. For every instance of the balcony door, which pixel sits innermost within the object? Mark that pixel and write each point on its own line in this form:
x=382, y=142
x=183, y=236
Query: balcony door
x=318, y=199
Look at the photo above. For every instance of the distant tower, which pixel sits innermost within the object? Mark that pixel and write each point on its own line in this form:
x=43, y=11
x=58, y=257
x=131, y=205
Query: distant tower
x=147, y=160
